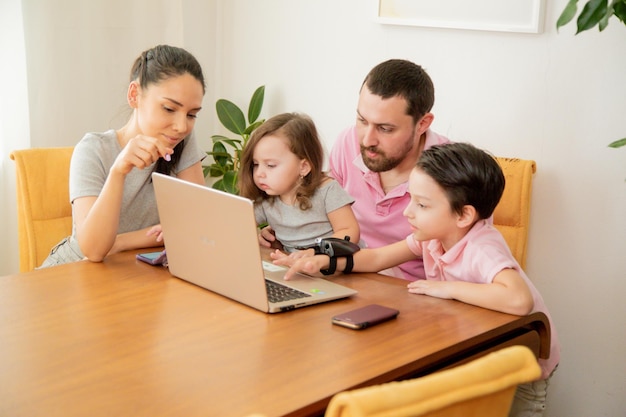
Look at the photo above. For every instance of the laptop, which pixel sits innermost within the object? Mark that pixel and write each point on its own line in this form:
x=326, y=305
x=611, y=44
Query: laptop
x=211, y=241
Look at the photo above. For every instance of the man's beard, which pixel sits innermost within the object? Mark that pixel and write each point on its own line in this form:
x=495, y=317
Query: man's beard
x=383, y=162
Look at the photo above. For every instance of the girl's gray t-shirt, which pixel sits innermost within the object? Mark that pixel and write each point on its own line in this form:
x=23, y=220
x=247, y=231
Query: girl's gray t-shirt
x=296, y=227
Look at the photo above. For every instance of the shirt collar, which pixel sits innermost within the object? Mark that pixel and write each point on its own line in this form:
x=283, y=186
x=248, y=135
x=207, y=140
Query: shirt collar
x=435, y=248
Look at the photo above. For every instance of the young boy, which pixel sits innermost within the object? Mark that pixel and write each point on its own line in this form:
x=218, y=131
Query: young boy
x=454, y=190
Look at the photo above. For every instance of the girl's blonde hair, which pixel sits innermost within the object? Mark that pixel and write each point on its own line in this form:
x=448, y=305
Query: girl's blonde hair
x=301, y=135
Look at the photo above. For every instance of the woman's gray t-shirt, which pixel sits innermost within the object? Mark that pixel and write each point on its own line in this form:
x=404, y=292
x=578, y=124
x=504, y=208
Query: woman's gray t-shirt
x=91, y=162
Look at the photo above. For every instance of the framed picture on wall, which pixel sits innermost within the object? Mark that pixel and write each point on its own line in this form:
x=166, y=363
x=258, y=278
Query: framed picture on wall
x=524, y=16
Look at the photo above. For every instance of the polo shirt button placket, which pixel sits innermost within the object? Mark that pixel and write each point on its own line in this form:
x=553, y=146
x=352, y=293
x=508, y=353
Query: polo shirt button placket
x=382, y=208
x=441, y=265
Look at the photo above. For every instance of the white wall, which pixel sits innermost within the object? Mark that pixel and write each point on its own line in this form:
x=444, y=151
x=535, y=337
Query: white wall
x=556, y=98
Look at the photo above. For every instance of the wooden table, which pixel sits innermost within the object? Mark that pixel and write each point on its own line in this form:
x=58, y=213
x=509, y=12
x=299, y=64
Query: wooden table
x=123, y=338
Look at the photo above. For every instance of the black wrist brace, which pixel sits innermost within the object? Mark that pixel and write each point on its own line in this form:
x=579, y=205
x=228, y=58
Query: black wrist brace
x=335, y=248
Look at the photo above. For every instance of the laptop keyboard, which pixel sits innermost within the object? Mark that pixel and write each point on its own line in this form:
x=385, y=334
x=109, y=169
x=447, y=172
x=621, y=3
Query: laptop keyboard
x=277, y=292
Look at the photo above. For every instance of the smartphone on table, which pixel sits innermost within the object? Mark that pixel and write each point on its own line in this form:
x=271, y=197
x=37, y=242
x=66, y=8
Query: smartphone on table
x=153, y=258
x=367, y=316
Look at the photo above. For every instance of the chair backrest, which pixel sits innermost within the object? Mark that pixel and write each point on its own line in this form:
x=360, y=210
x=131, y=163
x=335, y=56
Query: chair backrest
x=481, y=388
x=512, y=215
x=44, y=212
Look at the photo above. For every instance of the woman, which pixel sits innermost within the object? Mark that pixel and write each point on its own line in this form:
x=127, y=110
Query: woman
x=111, y=191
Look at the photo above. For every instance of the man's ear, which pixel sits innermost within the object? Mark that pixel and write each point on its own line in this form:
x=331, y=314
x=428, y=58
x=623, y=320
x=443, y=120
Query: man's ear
x=467, y=217
x=424, y=123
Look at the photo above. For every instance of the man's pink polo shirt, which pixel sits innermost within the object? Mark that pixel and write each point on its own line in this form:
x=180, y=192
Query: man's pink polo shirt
x=478, y=257
x=379, y=215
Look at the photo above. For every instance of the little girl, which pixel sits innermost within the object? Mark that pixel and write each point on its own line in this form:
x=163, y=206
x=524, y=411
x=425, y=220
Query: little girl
x=281, y=171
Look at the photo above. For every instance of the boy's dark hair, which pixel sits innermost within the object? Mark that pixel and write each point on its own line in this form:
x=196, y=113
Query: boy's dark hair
x=468, y=176
x=398, y=77
x=158, y=64
x=301, y=134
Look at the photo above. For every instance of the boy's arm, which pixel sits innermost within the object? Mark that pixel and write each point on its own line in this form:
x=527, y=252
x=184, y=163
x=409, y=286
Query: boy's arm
x=365, y=260
x=507, y=293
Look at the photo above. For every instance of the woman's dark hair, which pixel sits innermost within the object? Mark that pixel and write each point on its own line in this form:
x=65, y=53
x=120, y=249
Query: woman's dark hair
x=399, y=77
x=301, y=135
x=161, y=63
x=468, y=176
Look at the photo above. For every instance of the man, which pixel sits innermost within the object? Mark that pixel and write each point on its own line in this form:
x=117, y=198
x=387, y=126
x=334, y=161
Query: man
x=372, y=160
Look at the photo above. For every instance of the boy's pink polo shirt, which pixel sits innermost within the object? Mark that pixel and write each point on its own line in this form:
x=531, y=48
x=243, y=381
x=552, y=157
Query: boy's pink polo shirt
x=478, y=258
x=380, y=216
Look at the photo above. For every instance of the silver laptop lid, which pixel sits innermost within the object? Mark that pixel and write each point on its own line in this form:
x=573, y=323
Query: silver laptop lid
x=206, y=242
x=211, y=241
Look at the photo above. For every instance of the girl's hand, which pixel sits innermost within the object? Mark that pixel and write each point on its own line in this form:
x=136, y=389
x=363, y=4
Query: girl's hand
x=141, y=152
x=284, y=259
x=156, y=231
x=267, y=237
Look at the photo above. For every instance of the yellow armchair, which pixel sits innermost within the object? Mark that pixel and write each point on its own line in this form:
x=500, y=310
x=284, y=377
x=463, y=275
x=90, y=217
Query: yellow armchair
x=512, y=215
x=482, y=388
x=44, y=212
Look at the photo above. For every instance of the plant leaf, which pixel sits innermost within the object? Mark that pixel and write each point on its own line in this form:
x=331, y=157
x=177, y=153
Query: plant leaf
x=230, y=116
x=618, y=143
x=235, y=143
x=256, y=104
x=216, y=170
x=230, y=182
x=604, y=22
x=567, y=14
x=619, y=9
x=219, y=138
x=253, y=126
x=593, y=11
x=219, y=154
x=219, y=185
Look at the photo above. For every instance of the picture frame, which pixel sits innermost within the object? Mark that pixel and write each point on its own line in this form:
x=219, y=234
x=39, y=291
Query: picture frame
x=522, y=16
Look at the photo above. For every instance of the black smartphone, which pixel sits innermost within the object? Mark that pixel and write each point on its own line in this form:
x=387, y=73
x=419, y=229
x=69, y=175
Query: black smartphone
x=365, y=316
x=153, y=258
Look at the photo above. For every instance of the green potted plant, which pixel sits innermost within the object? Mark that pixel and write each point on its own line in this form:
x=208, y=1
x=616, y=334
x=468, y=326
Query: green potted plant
x=226, y=162
x=594, y=12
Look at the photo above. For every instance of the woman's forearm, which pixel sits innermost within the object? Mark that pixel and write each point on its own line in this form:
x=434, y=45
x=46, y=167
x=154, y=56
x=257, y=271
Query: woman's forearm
x=97, y=221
